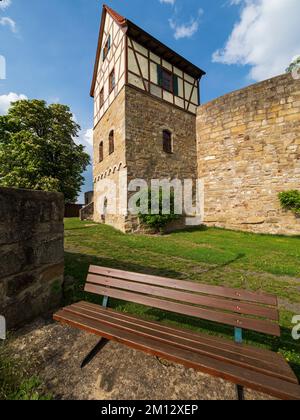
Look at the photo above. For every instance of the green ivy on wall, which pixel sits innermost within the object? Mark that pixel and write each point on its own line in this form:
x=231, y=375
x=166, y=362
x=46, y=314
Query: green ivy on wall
x=290, y=200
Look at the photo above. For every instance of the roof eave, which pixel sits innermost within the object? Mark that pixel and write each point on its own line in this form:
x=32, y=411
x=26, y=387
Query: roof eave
x=122, y=24
x=194, y=71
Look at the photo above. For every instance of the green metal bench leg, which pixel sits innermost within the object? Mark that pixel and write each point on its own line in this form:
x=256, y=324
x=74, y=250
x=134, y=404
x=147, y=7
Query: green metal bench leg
x=99, y=346
x=238, y=338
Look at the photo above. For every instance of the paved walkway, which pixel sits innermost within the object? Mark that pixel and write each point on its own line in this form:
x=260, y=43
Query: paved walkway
x=55, y=353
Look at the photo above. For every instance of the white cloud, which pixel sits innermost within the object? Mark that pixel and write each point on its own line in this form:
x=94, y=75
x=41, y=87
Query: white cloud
x=86, y=139
x=266, y=37
x=2, y=67
x=6, y=100
x=4, y=4
x=88, y=136
x=7, y=21
x=186, y=30
x=172, y=2
x=235, y=2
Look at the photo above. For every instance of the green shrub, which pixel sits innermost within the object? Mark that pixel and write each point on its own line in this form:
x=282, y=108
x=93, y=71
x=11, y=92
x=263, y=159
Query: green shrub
x=159, y=221
x=290, y=200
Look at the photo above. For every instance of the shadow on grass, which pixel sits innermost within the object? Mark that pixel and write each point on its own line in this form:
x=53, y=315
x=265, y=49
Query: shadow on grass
x=226, y=264
x=77, y=265
x=83, y=227
x=192, y=229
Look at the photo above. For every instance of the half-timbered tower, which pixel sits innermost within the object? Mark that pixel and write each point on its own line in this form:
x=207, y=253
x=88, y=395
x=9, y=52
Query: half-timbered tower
x=145, y=102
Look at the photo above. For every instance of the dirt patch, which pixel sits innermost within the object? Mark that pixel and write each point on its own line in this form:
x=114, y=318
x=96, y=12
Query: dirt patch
x=55, y=352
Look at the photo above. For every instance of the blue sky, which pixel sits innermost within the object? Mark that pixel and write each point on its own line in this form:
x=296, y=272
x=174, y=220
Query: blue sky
x=49, y=46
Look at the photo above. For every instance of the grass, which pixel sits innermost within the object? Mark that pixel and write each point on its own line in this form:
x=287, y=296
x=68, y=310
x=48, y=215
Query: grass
x=210, y=256
x=16, y=384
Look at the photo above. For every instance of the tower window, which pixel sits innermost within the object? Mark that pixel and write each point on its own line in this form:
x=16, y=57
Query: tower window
x=167, y=141
x=106, y=48
x=167, y=80
x=112, y=81
x=111, y=142
x=101, y=152
x=101, y=98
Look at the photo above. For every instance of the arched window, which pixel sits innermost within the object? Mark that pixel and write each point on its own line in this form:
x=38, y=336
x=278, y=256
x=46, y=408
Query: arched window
x=111, y=142
x=167, y=141
x=101, y=152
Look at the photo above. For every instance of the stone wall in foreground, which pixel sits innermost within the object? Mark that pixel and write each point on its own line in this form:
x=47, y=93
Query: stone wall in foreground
x=248, y=145
x=31, y=253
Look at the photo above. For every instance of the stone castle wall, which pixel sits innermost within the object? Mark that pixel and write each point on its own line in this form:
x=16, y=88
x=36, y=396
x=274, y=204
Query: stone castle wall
x=146, y=118
x=113, y=166
x=138, y=120
x=31, y=254
x=248, y=145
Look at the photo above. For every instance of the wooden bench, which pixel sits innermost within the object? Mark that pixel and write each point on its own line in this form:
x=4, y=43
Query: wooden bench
x=245, y=366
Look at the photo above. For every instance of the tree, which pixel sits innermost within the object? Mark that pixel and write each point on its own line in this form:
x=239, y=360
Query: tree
x=295, y=64
x=38, y=151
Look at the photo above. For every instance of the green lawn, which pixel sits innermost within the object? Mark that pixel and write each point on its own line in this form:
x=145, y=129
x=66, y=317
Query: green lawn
x=211, y=256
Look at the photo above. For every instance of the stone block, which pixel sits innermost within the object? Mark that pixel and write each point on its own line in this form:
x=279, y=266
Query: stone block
x=31, y=253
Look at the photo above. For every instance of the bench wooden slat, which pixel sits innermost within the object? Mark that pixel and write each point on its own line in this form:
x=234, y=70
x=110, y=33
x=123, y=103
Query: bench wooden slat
x=241, y=295
x=240, y=376
x=109, y=318
x=203, y=300
x=275, y=360
x=215, y=342
x=243, y=365
x=210, y=315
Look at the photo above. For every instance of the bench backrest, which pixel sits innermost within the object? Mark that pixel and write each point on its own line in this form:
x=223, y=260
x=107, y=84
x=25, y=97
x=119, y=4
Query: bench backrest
x=239, y=308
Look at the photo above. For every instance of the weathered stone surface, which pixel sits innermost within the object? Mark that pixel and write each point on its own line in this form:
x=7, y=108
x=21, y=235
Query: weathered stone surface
x=138, y=121
x=248, y=152
x=146, y=118
x=19, y=283
x=253, y=221
x=113, y=167
x=13, y=258
x=31, y=253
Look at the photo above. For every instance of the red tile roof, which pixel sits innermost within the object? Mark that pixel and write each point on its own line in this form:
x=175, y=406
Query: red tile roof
x=120, y=19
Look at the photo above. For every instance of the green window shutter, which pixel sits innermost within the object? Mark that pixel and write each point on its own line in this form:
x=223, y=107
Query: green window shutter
x=175, y=85
x=159, y=75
